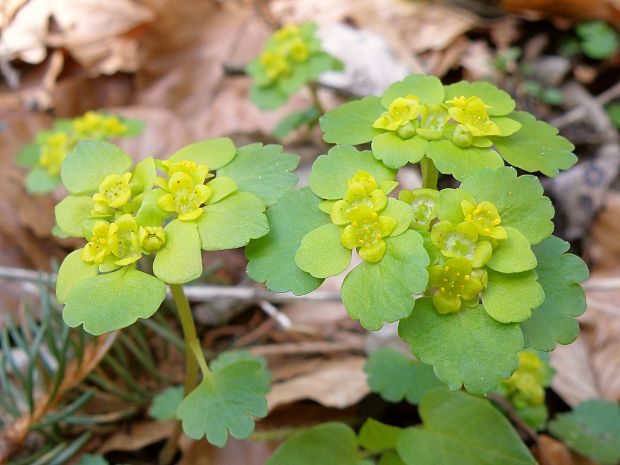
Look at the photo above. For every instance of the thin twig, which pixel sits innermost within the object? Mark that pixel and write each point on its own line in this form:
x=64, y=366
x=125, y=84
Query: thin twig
x=580, y=112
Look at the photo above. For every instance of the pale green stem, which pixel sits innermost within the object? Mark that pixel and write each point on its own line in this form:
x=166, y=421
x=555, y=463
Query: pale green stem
x=194, y=359
x=430, y=175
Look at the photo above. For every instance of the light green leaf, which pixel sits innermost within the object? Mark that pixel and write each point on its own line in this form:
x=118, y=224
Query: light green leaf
x=536, y=147
x=331, y=173
x=519, y=200
x=72, y=271
x=327, y=444
x=263, y=170
x=351, y=123
x=143, y=176
x=559, y=274
x=41, y=181
x=592, y=429
x=428, y=88
x=391, y=457
x=293, y=81
x=321, y=253
x=232, y=222
x=466, y=348
x=272, y=257
x=510, y=298
x=395, y=376
x=111, y=301
x=221, y=187
x=459, y=429
x=500, y=102
x=378, y=293
x=150, y=213
x=71, y=213
x=599, y=40
x=215, y=153
x=449, y=204
x=268, y=98
x=378, y=437
x=89, y=163
x=461, y=162
x=225, y=403
x=395, y=151
x=165, y=403
x=513, y=254
x=401, y=212
x=179, y=260
x=135, y=127
x=507, y=126
x=535, y=416
x=295, y=120
x=28, y=156
x=319, y=63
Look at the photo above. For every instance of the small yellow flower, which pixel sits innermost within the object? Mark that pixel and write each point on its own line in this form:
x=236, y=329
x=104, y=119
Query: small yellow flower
x=298, y=51
x=151, y=238
x=366, y=233
x=455, y=281
x=97, y=125
x=287, y=33
x=124, y=241
x=472, y=113
x=185, y=189
x=98, y=247
x=400, y=112
x=363, y=190
x=274, y=64
x=526, y=386
x=54, y=151
x=114, y=192
x=485, y=219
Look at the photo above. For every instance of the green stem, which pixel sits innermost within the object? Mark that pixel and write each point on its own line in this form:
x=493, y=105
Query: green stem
x=316, y=101
x=194, y=358
x=430, y=175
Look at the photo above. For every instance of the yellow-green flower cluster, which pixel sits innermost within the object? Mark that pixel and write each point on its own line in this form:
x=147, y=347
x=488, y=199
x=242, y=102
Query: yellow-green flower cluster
x=94, y=125
x=360, y=212
x=526, y=386
x=185, y=189
x=460, y=119
x=287, y=47
x=54, y=149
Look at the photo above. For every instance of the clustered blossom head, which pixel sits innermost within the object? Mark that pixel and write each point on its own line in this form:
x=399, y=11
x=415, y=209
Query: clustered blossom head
x=94, y=125
x=526, y=386
x=54, y=149
x=185, y=190
x=287, y=47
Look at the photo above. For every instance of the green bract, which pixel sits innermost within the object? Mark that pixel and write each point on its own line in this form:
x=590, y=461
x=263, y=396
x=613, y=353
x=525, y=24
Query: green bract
x=125, y=214
x=462, y=128
x=472, y=273
x=291, y=58
x=45, y=156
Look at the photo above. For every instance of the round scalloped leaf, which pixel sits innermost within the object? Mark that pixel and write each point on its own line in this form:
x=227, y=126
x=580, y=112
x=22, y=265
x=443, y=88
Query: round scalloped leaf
x=500, y=102
x=519, y=200
x=510, y=298
x=272, y=257
x=40, y=181
x=71, y=213
x=89, y=163
x=466, y=348
x=150, y=213
x=28, y=155
x=461, y=162
x=232, y=222
x=395, y=376
x=537, y=146
x=513, y=254
x=215, y=153
x=378, y=293
x=401, y=212
x=327, y=444
x=262, y=170
x=112, y=301
x=331, y=173
x=592, y=429
x=428, y=89
x=559, y=274
x=321, y=253
x=395, y=151
x=267, y=98
x=165, y=404
x=461, y=429
x=225, y=403
x=351, y=123
x=221, y=187
x=72, y=271
x=179, y=260
x=376, y=437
